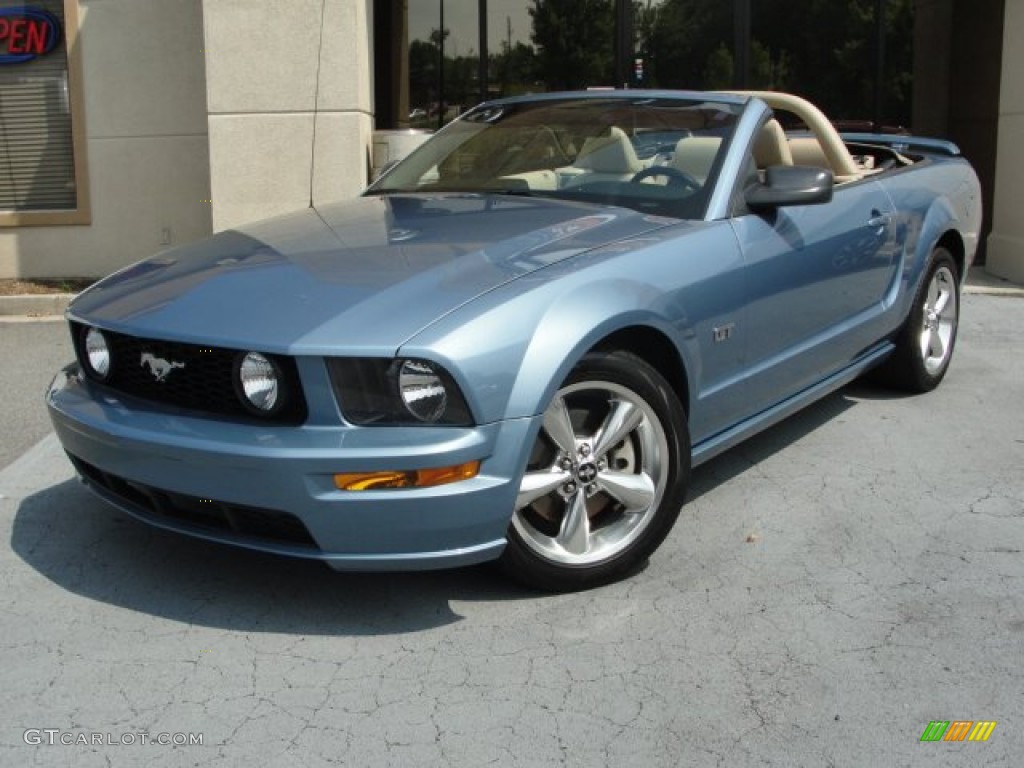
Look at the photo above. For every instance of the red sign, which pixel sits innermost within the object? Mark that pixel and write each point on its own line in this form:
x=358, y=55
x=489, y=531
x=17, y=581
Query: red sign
x=26, y=33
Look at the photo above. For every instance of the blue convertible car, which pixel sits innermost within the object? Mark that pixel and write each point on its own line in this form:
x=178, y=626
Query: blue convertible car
x=519, y=340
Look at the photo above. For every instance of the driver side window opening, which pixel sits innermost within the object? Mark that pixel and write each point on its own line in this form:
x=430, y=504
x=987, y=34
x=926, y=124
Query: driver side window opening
x=798, y=134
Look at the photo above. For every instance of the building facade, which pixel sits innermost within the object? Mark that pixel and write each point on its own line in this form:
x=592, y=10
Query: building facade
x=1006, y=242
x=129, y=126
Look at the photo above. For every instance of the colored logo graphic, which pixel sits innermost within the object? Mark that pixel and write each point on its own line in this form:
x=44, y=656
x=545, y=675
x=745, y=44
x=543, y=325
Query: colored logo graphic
x=958, y=730
x=26, y=33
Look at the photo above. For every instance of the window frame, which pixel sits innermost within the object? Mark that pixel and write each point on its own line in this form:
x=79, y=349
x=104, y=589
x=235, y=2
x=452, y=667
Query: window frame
x=82, y=212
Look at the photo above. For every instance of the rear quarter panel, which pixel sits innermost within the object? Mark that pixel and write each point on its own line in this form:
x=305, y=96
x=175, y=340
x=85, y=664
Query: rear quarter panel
x=936, y=199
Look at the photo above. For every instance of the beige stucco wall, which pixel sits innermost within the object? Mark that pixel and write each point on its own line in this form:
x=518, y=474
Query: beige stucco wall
x=1006, y=243
x=146, y=128
x=289, y=87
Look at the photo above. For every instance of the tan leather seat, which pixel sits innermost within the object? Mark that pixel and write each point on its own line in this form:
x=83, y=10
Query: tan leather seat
x=771, y=147
x=612, y=155
x=695, y=155
x=808, y=151
x=829, y=141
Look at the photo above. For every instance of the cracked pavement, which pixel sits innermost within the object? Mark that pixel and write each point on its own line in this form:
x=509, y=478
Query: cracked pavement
x=831, y=587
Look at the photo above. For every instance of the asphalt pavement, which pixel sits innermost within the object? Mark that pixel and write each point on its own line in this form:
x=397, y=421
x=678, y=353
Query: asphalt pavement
x=31, y=352
x=832, y=587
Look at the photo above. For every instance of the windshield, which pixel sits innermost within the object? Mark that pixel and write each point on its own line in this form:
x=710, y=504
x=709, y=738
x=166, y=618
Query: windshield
x=656, y=155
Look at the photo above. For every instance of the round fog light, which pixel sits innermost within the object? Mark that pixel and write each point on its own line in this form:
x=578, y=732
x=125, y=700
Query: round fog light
x=423, y=392
x=97, y=352
x=259, y=377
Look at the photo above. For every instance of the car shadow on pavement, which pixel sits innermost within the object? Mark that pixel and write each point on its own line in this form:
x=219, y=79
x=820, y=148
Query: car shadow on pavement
x=87, y=547
x=753, y=451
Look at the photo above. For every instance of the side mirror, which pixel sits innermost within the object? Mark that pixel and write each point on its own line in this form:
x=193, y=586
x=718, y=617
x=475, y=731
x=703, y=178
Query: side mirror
x=790, y=185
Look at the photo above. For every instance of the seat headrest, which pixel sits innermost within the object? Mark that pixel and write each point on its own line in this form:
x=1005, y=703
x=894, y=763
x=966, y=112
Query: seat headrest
x=771, y=147
x=609, y=154
x=694, y=155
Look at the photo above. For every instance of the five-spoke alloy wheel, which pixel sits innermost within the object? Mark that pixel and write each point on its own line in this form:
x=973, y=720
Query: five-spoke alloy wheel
x=606, y=476
x=924, y=346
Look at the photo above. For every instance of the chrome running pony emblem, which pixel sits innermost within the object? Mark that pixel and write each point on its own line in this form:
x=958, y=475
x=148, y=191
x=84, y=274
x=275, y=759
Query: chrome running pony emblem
x=159, y=367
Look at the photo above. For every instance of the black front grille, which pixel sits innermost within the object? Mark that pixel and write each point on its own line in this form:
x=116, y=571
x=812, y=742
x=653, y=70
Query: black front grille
x=189, y=376
x=201, y=515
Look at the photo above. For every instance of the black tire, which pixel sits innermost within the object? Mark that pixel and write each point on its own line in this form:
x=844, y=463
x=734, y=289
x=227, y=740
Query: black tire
x=924, y=345
x=606, y=477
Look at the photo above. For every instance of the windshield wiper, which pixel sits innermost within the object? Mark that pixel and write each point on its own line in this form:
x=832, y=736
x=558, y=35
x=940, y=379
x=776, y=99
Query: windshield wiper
x=521, y=191
x=517, y=190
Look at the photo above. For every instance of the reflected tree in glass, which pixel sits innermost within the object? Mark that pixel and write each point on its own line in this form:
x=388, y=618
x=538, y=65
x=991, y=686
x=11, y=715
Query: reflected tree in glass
x=574, y=40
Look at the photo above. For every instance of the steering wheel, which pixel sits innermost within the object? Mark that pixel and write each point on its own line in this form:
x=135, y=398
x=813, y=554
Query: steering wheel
x=676, y=178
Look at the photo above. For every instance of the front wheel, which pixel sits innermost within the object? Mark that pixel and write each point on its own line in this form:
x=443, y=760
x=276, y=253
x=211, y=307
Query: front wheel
x=924, y=346
x=606, y=477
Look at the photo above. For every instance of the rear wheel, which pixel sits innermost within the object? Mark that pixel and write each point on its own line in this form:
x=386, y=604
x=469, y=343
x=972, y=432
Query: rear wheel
x=924, y=346
x=606, y=477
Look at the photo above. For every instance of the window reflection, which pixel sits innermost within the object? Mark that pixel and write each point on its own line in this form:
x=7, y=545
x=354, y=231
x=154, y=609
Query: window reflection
x=444, y=60
x=512, y=65
x=836, y=53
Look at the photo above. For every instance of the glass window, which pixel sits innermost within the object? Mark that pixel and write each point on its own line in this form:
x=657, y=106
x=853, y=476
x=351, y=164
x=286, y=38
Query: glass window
x=655, y=155
x=833, y=55
x=513, y=68
x=41, y=168
x=444, y=61
x=574, y=42
x=828, y=52
x=840, y=54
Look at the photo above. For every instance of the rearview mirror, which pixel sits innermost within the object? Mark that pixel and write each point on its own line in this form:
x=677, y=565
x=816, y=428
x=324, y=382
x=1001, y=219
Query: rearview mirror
x=790, y=185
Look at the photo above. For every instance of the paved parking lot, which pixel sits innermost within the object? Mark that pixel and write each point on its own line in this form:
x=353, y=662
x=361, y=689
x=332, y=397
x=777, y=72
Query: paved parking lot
x=30, y=353
x=832, y=587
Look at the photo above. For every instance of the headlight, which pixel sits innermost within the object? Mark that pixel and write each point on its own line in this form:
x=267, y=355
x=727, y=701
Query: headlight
x=422, y=390
x=259, y=380
x=97, y=353
x=384, y=392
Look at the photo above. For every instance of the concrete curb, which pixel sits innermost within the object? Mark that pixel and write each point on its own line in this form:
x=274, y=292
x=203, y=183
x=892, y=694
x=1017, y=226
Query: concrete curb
x=34, y=306
x=52, y=305
x=985, y=283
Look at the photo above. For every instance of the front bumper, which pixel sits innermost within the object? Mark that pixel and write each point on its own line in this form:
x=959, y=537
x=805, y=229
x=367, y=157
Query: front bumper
x=271, y=488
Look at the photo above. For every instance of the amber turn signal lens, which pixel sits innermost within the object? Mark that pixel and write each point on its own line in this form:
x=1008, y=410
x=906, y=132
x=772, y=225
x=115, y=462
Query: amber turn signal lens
x=414, y=478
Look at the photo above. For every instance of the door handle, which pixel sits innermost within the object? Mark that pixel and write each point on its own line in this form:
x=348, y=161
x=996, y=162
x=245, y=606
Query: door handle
x=879, y=220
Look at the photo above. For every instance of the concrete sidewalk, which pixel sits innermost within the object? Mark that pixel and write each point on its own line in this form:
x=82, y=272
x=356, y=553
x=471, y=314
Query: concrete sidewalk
x=980, y=281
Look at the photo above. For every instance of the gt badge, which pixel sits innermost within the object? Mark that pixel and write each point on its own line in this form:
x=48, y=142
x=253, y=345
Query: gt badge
x=723, y=332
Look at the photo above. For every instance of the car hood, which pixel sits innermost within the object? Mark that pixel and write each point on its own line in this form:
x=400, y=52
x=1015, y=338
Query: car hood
x=365, y=275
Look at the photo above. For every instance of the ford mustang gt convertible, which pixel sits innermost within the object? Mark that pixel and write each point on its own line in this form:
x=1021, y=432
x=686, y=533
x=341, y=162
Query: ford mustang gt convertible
x=517, y=342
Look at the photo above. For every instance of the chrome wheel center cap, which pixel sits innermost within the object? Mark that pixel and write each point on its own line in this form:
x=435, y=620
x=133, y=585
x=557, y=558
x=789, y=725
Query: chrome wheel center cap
x=586, y=473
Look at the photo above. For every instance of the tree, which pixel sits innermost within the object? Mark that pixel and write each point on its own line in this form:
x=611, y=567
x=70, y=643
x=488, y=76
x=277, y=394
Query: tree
x=681, y=42
x=574, y=41
x=514, y=71
x=423, y=74
x=828, y=50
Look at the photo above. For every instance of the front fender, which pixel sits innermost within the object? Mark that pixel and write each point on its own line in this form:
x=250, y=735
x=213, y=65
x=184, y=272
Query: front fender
x=510, y=359
x=585, y=317
x=510, y=349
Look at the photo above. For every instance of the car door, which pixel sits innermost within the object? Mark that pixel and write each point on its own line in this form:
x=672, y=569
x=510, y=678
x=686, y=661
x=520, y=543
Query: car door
x=816, y=278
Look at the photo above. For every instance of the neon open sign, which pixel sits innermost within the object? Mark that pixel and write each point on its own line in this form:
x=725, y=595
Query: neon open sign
x=26, y=33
